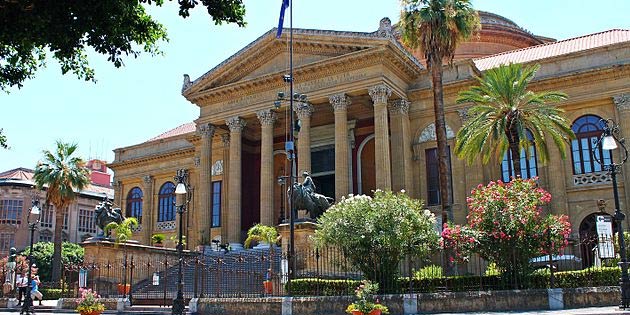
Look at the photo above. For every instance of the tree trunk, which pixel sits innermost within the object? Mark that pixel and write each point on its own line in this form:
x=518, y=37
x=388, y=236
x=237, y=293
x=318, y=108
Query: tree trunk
x=56, y=261
x=516, y=152
x=435, y=66
x=440, y=134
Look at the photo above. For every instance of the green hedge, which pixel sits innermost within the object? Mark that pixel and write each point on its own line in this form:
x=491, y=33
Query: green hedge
x=51, y=293
x=592, y=277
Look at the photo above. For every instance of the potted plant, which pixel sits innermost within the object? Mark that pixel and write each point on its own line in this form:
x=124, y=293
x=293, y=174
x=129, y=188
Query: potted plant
x=89, y=303
x=268, y=235
x=365, y=303
x=158, y=239
x=122, y=233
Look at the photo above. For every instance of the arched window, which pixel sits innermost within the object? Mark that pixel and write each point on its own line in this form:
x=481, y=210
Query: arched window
x=166, y=203
x=587, y=131
x=134, y=204
x=529, y=168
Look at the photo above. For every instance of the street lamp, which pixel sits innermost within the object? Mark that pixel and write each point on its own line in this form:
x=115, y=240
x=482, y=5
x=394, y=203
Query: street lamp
x=32, y=221
x=182, y=198
x=609, y=140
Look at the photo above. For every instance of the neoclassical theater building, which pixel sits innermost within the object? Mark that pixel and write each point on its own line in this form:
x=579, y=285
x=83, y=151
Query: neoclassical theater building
x=367, y=124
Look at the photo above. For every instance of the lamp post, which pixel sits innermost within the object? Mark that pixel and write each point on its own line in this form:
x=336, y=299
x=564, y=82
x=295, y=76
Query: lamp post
x=32, y=221
x=608, y=141
x=182, y=198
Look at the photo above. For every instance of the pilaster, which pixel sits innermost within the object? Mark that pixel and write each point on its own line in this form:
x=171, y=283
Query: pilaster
x=304, y=111
x=340, y=103
x=225, y=200
x=203, y=217
x=401, y=146
x=267, y=119
x=147, y=208
x=236, y=125
x=380, y=95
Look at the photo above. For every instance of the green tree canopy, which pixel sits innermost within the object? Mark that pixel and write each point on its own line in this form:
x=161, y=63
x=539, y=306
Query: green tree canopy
x=43, y=254
x=63, y=175
x=3, y=140
x=375, y=234
x=65, y=28
x=504, y=109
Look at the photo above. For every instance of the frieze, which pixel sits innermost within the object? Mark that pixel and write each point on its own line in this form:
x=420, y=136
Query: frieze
x=339, y=102
x=622, y=101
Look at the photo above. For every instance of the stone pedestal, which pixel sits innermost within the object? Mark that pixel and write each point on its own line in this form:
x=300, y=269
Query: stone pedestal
x=303, y=244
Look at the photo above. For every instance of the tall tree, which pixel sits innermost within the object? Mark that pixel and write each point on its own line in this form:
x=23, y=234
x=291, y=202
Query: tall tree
x=3, y=140
x=63, y=175
x=436, y=27
x=504, y=111
x=65, y=28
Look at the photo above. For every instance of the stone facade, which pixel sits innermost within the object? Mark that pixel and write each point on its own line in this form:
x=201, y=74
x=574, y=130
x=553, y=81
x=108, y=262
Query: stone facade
x=368, y=124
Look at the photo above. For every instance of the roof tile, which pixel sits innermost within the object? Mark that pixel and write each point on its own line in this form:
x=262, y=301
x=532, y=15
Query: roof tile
x=180, y=130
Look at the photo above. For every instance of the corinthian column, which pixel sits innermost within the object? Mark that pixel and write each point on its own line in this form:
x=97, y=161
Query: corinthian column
x=340, y=103
x=267, y=118
x=236, y=125
x=380, y=94
x=147, y=208
x=304, y=112
x=204, y=215
x=401, y=146
x=225, y=202
x=622, y=102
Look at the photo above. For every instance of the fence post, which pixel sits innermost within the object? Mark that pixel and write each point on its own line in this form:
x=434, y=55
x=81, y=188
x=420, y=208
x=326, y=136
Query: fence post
x=131, y=282
x=551, y=276
x=195, y=276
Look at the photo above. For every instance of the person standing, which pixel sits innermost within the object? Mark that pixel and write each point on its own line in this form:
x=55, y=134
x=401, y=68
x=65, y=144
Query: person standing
x=22, y=285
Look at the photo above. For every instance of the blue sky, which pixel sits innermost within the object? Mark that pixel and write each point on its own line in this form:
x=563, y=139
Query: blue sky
x=141, y=100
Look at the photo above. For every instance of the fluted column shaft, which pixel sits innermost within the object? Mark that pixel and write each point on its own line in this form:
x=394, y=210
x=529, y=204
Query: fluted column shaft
x=401, y=146
x=267, y=119
x=236, y=125
x=340, y=103
x=304, y=112
x=204, y=215
x=225, y=201
x=380, y=94
x=147, y=208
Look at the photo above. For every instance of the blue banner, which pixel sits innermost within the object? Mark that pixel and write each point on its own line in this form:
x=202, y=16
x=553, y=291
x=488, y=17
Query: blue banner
x=285, y=5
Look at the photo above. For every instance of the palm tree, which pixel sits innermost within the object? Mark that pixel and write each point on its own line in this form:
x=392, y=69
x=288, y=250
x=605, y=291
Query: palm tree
x=505, y=111
x=63, y=174
x=265, y=234
x=436, y=27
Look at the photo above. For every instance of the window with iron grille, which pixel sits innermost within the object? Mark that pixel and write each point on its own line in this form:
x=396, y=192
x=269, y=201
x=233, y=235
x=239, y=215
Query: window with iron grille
x=11, y=211
x=7, y=240
x=433, y=177
x=86, y=221
x=528, y=163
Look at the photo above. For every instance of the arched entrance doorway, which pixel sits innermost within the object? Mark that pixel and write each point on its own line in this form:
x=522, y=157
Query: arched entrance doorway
x=588, y=238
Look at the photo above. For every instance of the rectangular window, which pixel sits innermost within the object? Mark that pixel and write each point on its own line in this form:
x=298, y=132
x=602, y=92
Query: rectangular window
x=86, y=221
x=433, y=177
x=7, y=240
x=46, y=220
x=216, y=204
x=11, y=211
x=322, y=160
x=65, y=221
x=45, y=238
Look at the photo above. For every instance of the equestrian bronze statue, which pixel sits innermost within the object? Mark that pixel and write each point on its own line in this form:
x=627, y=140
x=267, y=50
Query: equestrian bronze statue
x=305, y=198
x=104, y=214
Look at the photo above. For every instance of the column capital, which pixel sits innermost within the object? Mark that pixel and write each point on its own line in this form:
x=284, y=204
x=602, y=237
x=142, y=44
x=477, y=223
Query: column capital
x=236, y=124
x=267, y=117
x=303, y=110
x=147, y=179
x=339, y=102
x=225, y=138
x=400, y=107
x=206, y=130
x=380, y=93
x=463, y=114
x=622, y=101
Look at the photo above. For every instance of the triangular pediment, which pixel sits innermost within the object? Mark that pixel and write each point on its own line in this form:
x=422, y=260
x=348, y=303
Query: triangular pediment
x=268, y=55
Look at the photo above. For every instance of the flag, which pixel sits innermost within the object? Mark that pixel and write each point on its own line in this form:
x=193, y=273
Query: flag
x=285, y=5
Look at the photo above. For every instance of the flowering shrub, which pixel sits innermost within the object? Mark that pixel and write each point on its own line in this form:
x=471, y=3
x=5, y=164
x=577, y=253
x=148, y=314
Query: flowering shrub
x=89, y=302
x=365, y=302
x=375, y=233
x=506, y=226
